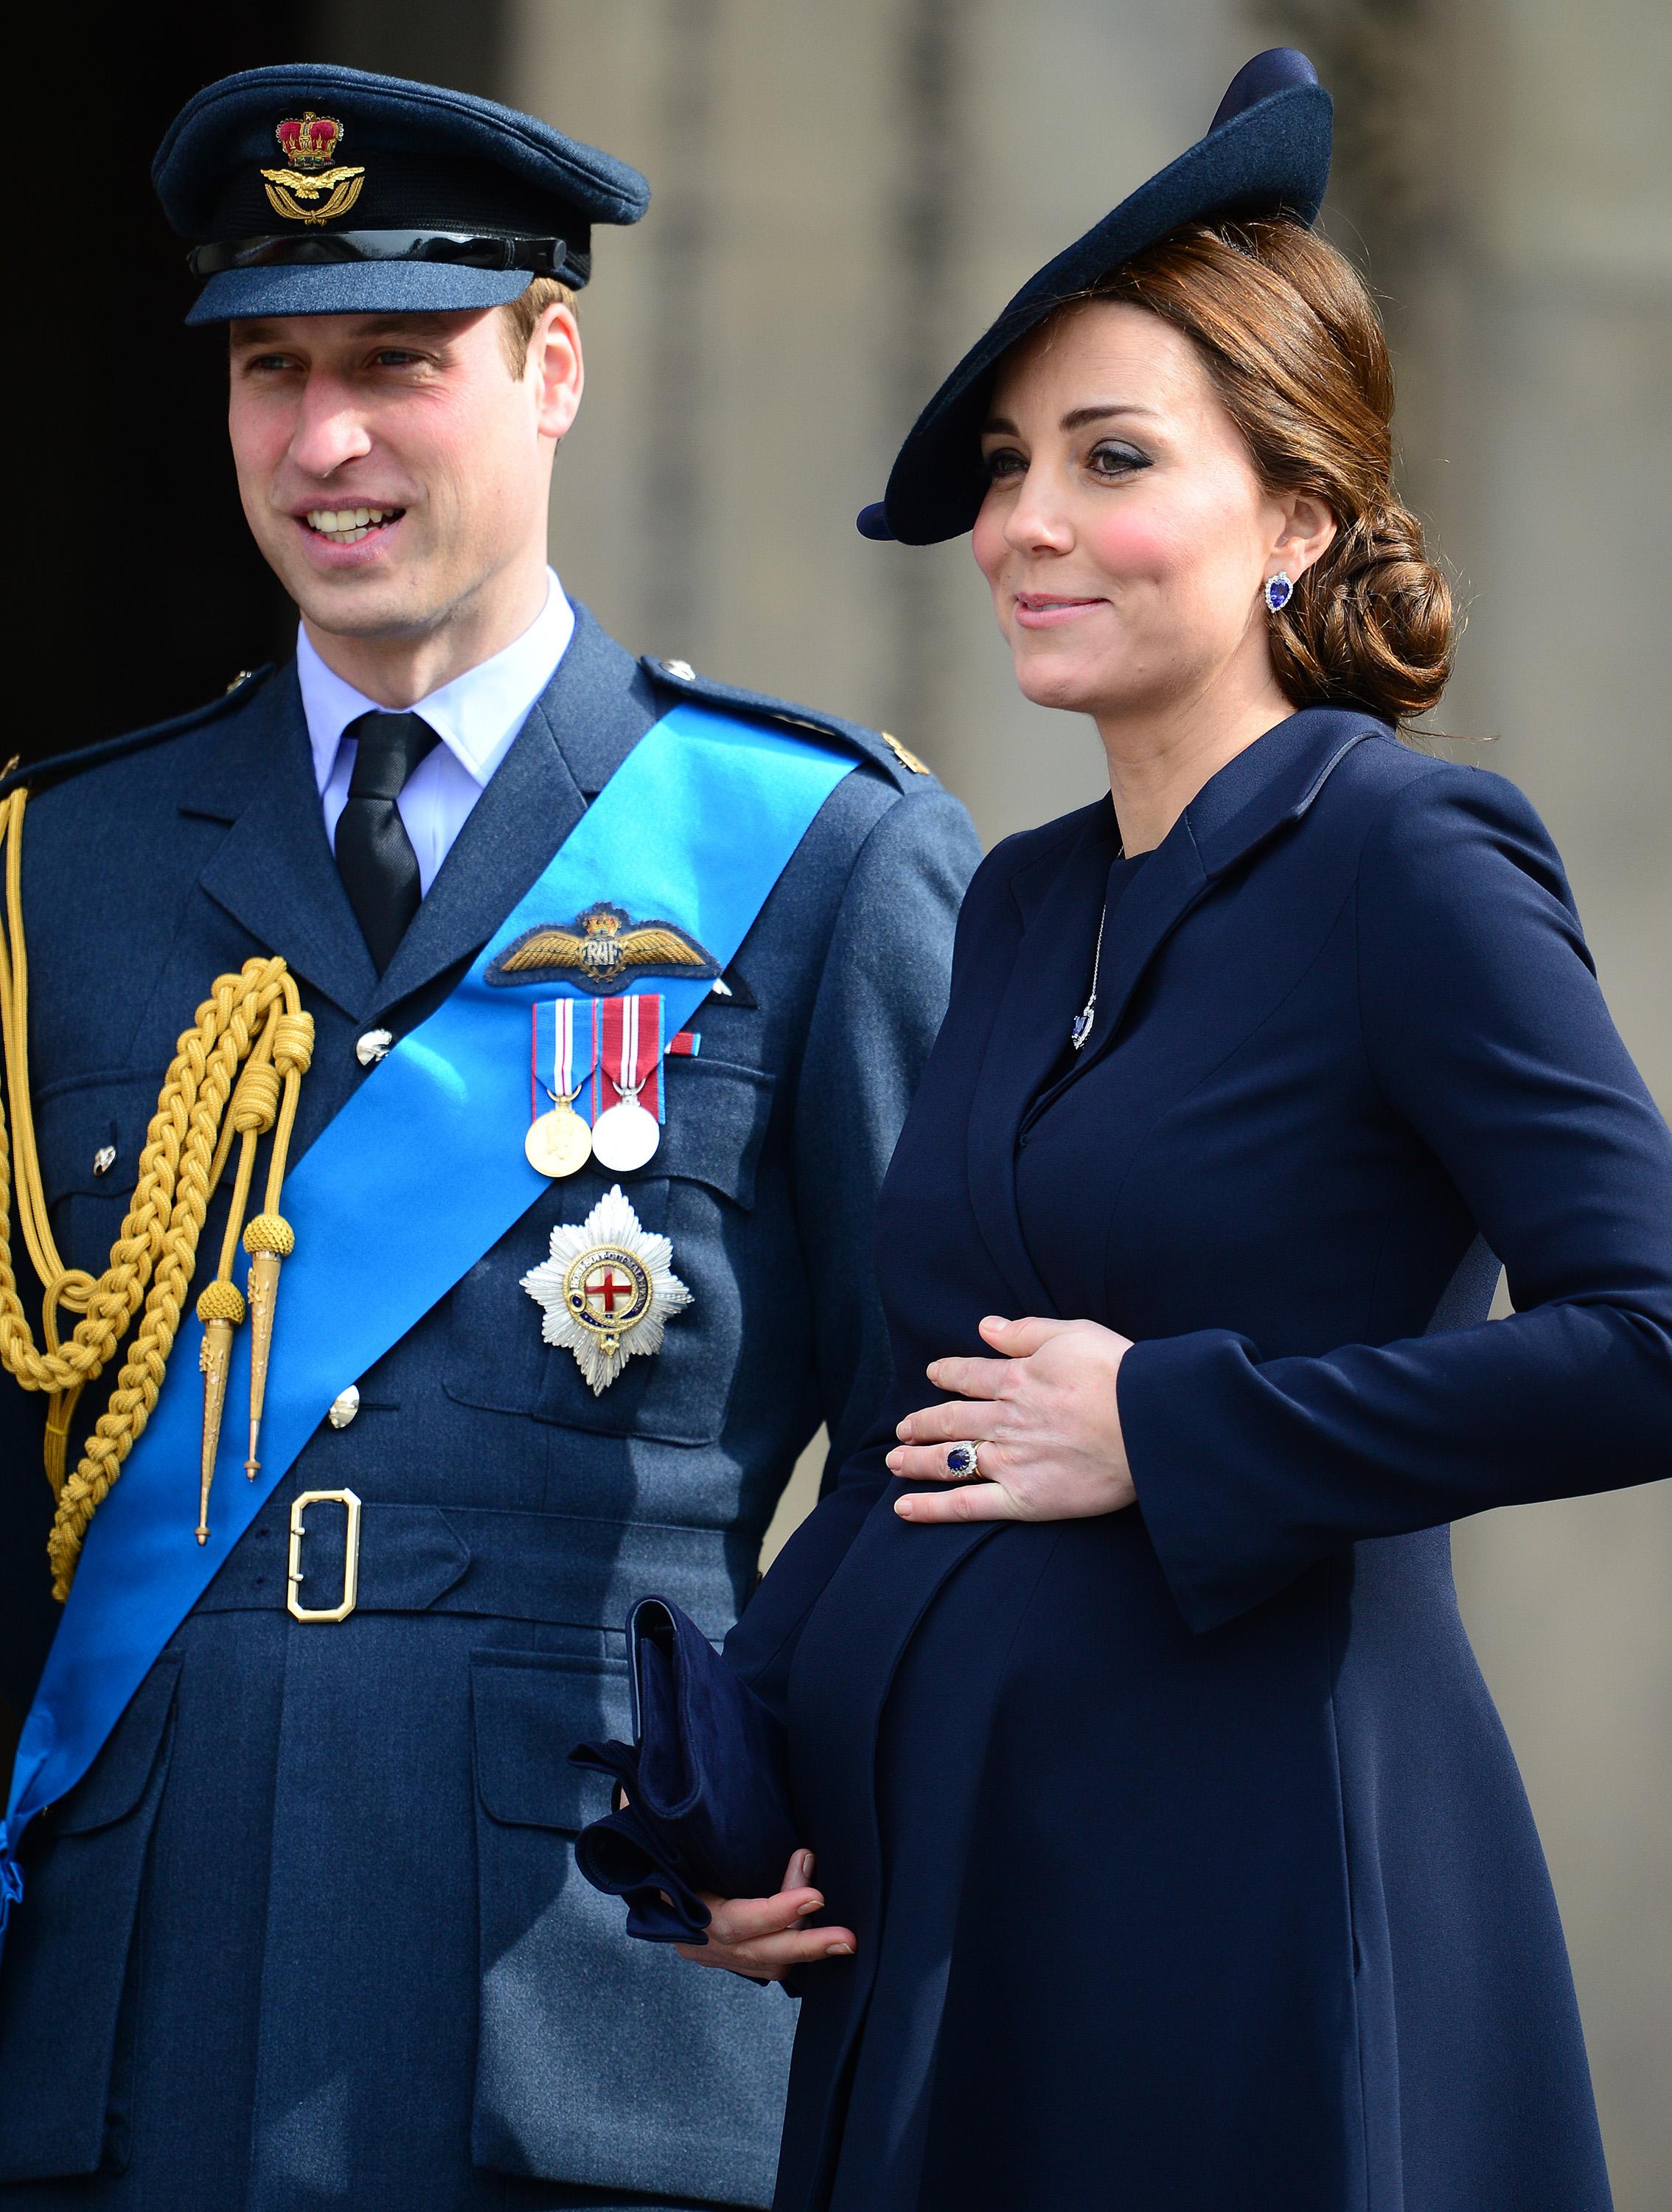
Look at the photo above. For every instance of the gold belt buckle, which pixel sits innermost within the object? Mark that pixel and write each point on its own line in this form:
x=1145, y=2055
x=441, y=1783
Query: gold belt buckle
x=347, y=1499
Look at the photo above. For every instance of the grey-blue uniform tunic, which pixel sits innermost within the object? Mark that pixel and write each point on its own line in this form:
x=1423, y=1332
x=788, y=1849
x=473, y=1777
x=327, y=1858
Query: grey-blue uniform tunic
x=309, y=1933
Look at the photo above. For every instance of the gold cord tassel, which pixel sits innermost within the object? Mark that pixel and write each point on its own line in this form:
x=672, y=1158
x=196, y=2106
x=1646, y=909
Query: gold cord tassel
x=220, y=1309
x=269, y=1241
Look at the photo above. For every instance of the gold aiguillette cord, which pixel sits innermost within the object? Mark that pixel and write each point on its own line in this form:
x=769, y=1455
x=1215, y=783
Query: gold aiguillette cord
x=253, y=1021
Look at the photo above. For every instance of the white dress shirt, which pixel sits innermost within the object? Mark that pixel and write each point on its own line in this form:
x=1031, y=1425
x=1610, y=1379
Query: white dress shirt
x=476, y=716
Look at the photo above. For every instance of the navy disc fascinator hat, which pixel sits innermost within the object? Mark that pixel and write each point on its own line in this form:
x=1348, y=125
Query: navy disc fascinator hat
x=315, y=190
x=1267, y=152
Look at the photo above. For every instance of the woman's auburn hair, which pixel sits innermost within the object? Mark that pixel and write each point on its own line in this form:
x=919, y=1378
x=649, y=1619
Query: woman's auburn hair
x=1292, y=340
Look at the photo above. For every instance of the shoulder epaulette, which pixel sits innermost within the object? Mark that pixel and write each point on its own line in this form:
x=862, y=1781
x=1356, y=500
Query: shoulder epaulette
x=877, y=745
x=56, y=767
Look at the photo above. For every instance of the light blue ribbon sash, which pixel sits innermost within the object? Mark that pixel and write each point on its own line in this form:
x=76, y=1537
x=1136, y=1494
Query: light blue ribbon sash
x=420, y=1173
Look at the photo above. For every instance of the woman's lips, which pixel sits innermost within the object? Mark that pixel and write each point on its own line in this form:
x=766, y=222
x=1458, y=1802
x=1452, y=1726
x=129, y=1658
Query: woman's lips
x=1049, y=610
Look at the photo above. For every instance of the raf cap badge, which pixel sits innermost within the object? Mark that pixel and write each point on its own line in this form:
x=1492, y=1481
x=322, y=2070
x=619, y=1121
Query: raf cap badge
x=309, y=143
x=607, y=1290
x=603, y=950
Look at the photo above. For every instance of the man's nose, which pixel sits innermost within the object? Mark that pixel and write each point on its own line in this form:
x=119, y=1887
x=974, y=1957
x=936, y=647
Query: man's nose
x=329, y=429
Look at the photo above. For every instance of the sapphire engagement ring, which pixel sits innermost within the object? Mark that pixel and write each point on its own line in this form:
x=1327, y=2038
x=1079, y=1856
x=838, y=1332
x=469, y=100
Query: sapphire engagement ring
x=963, y=1460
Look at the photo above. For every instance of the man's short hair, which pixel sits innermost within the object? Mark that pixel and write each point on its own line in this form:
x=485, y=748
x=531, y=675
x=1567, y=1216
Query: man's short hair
x=518, y=318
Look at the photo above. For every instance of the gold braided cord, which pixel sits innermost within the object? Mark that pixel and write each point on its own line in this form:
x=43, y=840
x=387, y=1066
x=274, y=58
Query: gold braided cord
x=256, y=1011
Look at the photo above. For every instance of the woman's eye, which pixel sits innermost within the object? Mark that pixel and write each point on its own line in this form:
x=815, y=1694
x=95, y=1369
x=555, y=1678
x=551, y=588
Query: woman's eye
x=1005, y=462
x=1110, y=459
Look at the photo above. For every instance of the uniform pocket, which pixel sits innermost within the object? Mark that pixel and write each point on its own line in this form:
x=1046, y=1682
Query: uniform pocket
x=70, y=1948
x=699, y=1192
x=601, y=2061
x=90, y=1131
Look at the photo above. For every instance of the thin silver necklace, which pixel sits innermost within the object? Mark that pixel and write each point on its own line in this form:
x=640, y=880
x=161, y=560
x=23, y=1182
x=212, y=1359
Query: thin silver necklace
x=1080, y=1029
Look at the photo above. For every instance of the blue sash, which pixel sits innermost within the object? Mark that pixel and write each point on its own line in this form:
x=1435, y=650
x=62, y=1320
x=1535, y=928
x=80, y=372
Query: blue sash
x=420, y=1173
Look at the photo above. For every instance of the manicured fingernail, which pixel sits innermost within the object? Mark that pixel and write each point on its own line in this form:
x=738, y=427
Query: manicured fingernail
x=805, y=1862
x=812, y=1904
x=838, y=1950
x=897, y=1459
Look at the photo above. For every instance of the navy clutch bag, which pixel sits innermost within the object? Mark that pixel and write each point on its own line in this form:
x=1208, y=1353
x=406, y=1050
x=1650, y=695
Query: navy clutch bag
x=706, y=1781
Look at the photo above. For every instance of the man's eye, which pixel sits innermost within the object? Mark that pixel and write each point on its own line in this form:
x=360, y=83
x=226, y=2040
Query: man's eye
x=1111, y=459
x=266, y=364
x=393, y=357
x=1005, y=462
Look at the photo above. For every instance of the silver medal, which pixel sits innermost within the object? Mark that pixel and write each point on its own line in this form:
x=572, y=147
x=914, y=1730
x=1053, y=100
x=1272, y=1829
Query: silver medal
x=625, y=1136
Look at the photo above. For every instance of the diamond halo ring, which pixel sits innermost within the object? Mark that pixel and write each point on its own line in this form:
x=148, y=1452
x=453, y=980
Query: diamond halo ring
x=964, y=1461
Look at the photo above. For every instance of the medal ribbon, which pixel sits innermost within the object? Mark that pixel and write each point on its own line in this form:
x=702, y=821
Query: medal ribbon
x=402, y=1194
x=633, y=1049
x=565, y=1055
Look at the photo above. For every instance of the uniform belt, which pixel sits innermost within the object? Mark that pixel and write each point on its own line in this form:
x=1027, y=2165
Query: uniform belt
x=555, y=1567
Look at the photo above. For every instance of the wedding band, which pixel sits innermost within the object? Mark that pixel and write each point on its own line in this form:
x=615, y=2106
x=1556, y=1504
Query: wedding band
x=963, y=1460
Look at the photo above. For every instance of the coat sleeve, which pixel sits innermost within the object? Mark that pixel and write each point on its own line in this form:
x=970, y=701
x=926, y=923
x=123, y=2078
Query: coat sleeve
x=1483, y=1026
x=883, y=993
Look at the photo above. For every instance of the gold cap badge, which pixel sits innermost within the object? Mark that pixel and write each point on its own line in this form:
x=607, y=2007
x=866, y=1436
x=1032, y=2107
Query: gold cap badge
x=309, y=143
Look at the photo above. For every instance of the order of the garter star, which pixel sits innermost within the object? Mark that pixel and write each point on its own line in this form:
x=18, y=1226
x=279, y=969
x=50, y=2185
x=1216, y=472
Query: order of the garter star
x=607, y=1290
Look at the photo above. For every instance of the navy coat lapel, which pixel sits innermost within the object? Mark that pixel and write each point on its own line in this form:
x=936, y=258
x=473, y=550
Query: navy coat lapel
x=275, y=872
x=1057, y=896
x=1264, y=790
x=583, y=725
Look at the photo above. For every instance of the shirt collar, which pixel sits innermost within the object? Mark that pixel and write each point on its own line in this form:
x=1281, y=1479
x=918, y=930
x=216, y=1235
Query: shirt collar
x=475, y=715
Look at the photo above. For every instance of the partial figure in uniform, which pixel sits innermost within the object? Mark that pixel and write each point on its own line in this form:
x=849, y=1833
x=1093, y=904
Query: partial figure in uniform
x=1174, y=1853
x=448, y=1080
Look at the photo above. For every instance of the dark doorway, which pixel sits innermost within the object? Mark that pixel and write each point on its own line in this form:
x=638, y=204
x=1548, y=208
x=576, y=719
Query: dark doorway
x=141, y=593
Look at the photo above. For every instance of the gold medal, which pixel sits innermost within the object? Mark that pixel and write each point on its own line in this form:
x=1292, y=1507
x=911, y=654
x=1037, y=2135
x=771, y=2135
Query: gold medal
x=558, y=1143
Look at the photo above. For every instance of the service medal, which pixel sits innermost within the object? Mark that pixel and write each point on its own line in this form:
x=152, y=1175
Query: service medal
x=625, y=1135
x=607, y=1290
x=558, y=1142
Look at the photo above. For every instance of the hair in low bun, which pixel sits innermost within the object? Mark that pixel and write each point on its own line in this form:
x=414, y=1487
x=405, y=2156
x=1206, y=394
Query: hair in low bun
x=1292, y=342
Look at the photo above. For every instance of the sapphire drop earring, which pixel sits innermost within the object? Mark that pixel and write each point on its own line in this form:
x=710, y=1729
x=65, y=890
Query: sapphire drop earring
x=1279, y=590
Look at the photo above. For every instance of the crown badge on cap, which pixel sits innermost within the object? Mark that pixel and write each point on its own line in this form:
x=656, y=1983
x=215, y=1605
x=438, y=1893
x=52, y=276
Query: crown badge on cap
x=309, y=142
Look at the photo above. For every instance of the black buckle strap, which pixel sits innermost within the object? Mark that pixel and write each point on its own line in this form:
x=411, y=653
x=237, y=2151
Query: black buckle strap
x=469, y=249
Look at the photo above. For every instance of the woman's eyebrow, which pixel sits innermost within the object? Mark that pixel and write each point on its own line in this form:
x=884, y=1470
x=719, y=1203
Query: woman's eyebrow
x=1000, y=426
x=1078, y=417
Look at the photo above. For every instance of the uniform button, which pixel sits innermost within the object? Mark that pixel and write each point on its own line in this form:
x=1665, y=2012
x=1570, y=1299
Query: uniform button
x=343, y=1407
x=104, y=1159
x=373, y=1047
x=681, y=670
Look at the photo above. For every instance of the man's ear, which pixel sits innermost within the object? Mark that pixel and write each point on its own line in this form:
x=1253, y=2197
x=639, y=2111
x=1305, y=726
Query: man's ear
x=555, y=363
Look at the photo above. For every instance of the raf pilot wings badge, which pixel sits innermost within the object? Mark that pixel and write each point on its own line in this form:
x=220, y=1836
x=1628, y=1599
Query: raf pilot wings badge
x=602, y=951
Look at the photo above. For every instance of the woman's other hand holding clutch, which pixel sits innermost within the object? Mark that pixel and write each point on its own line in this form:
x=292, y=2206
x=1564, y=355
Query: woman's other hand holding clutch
x=763, y=1937
x=1042, y=1418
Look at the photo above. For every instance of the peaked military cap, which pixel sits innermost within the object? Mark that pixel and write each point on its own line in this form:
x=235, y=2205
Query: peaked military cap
x=315, y=190
x=1267, y=152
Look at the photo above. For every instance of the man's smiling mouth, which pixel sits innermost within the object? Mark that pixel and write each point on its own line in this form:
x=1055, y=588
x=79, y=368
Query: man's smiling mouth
x=347, y=525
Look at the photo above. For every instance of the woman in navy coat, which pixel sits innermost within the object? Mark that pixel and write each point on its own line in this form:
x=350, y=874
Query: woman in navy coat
x=1172, y=1856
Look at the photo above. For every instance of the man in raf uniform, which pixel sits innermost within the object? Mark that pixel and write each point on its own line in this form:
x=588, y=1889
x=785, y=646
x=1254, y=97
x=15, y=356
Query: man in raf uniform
x=545, y=1018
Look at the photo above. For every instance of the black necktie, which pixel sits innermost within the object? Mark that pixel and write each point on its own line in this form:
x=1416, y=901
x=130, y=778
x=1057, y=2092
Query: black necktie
x=374, y=854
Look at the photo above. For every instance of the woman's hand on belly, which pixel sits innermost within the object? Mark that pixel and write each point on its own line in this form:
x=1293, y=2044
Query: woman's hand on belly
x=1045, y=1421
x=765, y=1937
